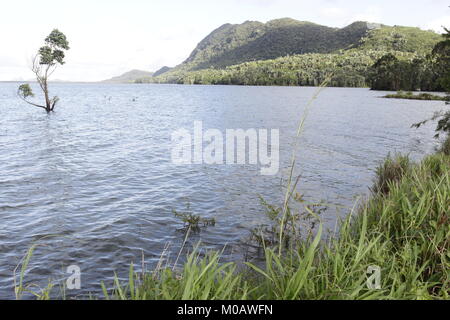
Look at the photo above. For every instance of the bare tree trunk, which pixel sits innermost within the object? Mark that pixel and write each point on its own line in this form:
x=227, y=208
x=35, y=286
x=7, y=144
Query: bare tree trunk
x=42, y=77
x=45, y=87
x=48, y=107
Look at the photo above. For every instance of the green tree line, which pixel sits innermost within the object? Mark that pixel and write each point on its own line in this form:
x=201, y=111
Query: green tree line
x=348, y=67
x=428, y=73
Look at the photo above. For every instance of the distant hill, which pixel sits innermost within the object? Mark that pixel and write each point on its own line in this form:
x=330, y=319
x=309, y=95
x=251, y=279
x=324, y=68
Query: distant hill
x=161, y=71
x=129, y=77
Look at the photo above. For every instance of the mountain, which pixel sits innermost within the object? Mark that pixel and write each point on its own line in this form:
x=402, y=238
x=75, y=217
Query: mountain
x=129, y=77
x=233, y=44
x=290, y=52
x=161, y=71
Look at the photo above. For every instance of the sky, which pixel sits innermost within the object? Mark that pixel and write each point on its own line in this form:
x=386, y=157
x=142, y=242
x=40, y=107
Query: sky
x=110, y=37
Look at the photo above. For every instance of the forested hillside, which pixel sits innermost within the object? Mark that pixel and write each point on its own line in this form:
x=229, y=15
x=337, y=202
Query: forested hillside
x=349, y=69
x=234, y=44
x=291, y=52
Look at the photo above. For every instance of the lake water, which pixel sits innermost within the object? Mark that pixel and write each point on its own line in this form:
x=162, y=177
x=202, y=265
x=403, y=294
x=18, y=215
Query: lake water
x=93, y=184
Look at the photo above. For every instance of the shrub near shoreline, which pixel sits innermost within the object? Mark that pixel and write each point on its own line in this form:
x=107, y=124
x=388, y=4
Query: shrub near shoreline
x=421, y=96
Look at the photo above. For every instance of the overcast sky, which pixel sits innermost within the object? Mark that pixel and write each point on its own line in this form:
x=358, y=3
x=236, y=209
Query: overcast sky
x=109, y=37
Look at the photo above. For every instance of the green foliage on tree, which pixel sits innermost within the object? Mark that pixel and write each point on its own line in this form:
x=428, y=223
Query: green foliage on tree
x=25, y=91
x=427, y=73
x=442, y=54
x=45, y=63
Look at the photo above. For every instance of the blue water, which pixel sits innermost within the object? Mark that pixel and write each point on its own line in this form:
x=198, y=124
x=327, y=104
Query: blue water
x=93, y=184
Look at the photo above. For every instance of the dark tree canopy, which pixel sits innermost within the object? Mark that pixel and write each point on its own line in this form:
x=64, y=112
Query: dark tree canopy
x=26, y=91
x=52, y=52
x=428, y=73
x=442, y=54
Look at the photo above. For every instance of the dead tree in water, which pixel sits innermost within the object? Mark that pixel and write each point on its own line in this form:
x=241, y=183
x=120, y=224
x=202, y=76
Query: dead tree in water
x=44, y=64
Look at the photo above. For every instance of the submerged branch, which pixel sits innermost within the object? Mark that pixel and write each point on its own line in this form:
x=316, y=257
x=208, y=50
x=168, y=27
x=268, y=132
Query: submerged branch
x=29, y=102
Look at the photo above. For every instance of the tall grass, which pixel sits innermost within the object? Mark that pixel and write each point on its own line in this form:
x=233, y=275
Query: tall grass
x=445, y=148
x=390, y=173
x=200, y=279
x=20, y=288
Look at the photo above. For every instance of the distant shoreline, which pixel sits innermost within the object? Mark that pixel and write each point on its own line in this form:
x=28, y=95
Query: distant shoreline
x=436, y=94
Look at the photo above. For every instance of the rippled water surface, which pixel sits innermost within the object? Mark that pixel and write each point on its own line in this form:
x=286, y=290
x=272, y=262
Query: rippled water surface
x=93, y=184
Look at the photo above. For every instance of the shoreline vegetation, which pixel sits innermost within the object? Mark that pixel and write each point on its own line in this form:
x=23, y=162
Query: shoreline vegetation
x=402, y=229
x=421, y=96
